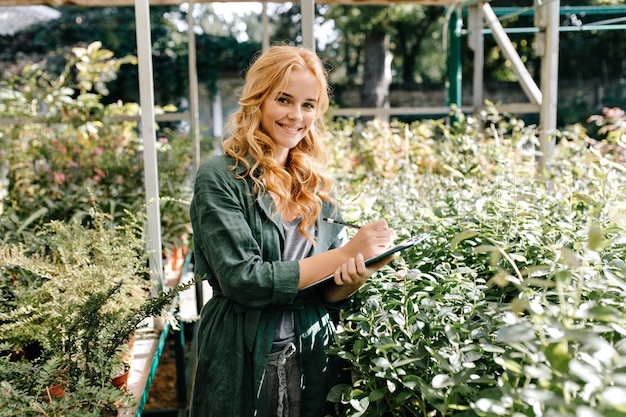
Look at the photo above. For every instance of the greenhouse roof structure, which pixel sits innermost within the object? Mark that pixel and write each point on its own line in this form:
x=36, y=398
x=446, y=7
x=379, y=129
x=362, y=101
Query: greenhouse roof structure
x=114, y=3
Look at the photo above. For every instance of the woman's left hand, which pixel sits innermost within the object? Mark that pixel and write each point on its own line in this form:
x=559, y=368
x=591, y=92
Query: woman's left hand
x=354, y=272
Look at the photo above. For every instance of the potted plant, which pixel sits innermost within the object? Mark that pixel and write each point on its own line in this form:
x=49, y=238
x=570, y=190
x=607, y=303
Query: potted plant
x=41, y=285
x=70, y=308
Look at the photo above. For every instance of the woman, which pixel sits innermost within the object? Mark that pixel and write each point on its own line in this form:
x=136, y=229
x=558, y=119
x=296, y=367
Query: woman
x=259, y=238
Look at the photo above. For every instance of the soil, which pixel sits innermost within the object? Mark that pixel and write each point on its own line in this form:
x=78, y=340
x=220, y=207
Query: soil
x=163, y=394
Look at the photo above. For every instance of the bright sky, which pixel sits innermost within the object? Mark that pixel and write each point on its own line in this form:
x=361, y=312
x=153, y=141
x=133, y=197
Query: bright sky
x=228, y=9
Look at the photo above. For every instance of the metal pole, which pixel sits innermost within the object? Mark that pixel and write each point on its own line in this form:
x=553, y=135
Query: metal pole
x=308, y=20
x=454, y=59
x=265, y=21
x=148, y=134
x=194, y=117
x=547, y=20
x=476, y=41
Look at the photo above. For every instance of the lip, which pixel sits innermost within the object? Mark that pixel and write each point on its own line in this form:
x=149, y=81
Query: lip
x=290, y=128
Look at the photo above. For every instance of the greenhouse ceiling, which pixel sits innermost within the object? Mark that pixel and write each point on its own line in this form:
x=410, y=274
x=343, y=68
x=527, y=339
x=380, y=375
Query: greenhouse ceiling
x=114, y=3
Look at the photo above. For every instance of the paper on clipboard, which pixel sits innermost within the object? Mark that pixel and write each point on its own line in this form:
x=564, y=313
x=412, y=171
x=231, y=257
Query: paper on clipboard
x=412, y=241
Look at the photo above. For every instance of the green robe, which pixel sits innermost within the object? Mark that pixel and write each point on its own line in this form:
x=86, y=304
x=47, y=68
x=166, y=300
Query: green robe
x=238, y=242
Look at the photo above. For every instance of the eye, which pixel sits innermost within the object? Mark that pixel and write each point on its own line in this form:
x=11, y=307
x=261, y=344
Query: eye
x=282, y=99
x=310, y=106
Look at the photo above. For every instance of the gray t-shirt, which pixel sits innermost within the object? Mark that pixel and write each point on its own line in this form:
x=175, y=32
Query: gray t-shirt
x=297, y=246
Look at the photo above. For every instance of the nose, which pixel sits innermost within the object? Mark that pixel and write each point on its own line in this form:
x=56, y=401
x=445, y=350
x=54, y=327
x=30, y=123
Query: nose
x=295, y=114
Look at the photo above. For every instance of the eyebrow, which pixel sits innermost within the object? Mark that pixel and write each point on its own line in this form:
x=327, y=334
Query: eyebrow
x=283, y=94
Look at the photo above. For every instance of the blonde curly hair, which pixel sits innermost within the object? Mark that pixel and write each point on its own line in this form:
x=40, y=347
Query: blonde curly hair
x=303, y=183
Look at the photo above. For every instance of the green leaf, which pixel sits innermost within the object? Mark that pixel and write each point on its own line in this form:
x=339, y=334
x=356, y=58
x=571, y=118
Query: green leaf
x=454, y=172
x=337, y=392
x=596, y=237
x=36, y=215
x=358, y=347
x=586, y=198
x=512, y=365
x=615, y=397
x=403, y=396
x=467, y=234
x=584, y=371
x=404, y=361
x=360, y=405
x=585, y=411
x=519, y=332
x=382, y=362
x=442, y=381
x=377, y=395
x=487, y=405
x=492, y=348
x=558, y=355
x=485, y=249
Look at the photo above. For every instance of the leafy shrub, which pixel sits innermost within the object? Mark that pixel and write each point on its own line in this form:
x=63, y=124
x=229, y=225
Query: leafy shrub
x=73, y=260
x=514, y=307
x=67, y=149
x=42, y=286
x=69, y=307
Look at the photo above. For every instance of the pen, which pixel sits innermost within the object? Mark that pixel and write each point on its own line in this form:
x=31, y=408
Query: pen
x=329, y=220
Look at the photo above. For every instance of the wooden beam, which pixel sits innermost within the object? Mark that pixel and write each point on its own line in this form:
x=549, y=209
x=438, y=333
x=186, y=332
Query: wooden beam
x=517, y=65
x=122, y=3
x=148, y=136
x=547, y=20
x=308, y=22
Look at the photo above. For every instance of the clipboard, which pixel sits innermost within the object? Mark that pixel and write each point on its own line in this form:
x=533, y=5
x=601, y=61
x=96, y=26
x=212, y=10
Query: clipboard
x=410, y=242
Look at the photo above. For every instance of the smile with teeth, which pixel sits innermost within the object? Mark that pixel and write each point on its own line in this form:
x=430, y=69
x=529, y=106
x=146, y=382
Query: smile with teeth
x=293, y=129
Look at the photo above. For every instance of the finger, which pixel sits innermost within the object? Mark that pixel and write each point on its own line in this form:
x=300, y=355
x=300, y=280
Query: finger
x=385, y=239
x=361, y=268
x=380, y=224
x=337, y=276
x=351, y=265
x=345, y=271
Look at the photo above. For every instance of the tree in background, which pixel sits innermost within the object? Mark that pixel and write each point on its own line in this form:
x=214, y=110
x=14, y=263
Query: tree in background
x=381, y=44
x=408, y=39
x=218, y=50
x=417, y=35
x=115, y=28
x=286, y=24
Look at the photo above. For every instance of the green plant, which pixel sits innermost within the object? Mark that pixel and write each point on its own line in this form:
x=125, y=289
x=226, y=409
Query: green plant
x=86, y=359
x=52, y=336
x=512, y=307
x=43, y=284
x=73, y=276
x=94, y=339
x=68, y=149
x=25, y=391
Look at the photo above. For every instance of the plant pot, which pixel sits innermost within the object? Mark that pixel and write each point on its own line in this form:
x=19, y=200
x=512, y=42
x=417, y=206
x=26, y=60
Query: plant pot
x=54, y=392
x=130, y=346
x=121, y=381
x=173, y=266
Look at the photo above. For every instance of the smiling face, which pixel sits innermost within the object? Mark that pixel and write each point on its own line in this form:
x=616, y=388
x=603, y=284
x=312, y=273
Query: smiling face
x=289, y=113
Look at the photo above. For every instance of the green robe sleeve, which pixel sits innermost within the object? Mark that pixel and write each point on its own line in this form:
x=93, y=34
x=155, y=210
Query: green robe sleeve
x=240, y=242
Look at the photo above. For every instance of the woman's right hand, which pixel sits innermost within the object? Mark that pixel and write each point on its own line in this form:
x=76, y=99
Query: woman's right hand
x=371, y=240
